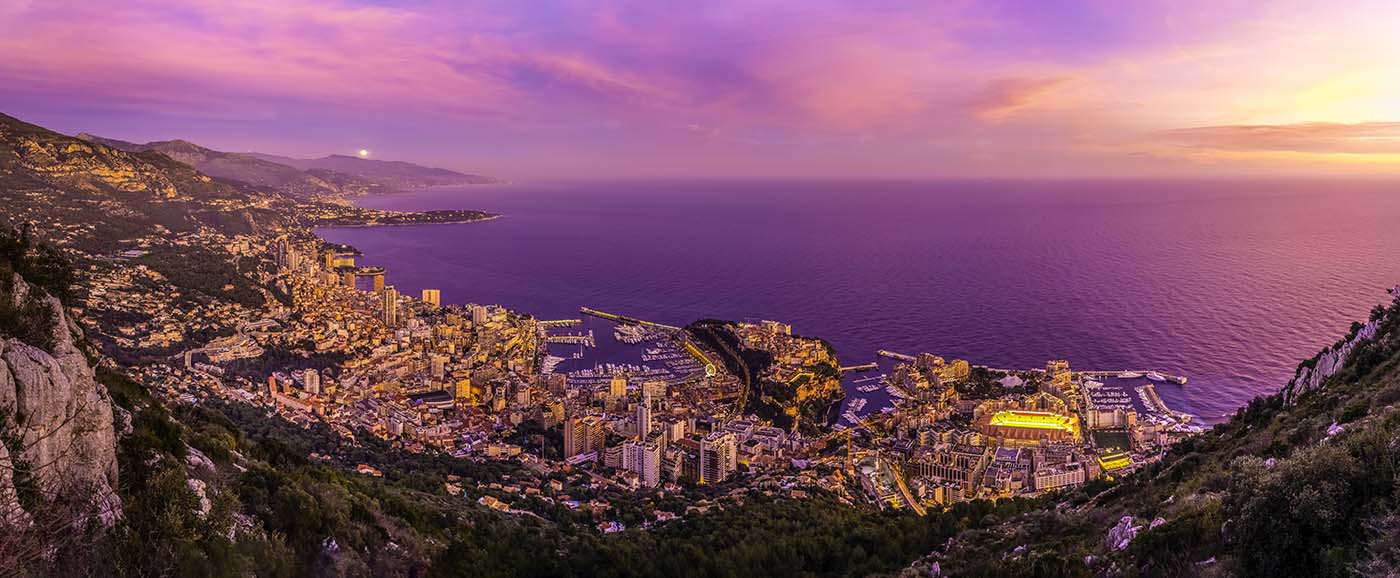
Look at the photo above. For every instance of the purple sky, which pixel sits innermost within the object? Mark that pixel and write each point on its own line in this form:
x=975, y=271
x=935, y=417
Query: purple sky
x=611, y=89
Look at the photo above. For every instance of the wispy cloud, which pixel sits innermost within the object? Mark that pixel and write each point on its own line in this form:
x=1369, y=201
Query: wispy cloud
x=1307, y=137
x=1004, y=98
x=786, y=86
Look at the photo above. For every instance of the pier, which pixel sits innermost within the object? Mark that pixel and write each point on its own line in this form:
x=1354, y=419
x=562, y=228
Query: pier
x=893, y=355
x=624, y=318
x=584, y=340
x=1178, y=379
x=867, y=367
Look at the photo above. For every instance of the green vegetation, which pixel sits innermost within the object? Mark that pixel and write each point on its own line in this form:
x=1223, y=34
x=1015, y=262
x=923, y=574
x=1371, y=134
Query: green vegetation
x=768, y=398
x=203, y=273
x=44, y=267
x=282, y=359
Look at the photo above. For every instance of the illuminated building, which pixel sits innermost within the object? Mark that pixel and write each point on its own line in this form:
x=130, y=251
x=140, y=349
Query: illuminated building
x=312, y=381
x=583, y=435
x=464, y=390
x=1115, y=461
x=433, y=296
x=719, y=456
x=617, y=388
x=1014, y=425
x=644, y=457
x=644, y=417
x=1059, y=476
x=391, y=306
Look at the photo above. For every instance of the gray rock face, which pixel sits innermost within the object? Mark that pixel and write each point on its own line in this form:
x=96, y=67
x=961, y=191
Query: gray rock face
x=1122, y=533
x=1330, y=361
x=59, y=417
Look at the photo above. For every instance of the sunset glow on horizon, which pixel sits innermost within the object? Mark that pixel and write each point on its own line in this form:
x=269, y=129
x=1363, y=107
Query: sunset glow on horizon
x=615, y=89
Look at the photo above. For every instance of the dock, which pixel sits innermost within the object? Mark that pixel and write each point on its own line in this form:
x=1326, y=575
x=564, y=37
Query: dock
x=893, y=355
x=624, y=319
x=1178, y=379
x=584, y=340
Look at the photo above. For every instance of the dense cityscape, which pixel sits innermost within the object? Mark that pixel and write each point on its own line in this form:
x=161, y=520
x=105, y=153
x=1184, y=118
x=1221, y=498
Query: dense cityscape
x=481, y=382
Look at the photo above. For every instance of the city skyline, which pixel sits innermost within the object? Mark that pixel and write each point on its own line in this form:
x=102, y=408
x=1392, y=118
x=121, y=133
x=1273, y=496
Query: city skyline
x=822, y=90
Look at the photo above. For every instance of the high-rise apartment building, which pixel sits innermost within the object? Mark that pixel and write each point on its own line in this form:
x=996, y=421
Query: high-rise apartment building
x=582, y=435
x=391, y=306
x=433, y=296
x=719, y=457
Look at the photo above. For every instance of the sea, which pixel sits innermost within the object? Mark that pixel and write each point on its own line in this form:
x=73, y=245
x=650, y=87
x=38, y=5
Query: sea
x=1230, y=283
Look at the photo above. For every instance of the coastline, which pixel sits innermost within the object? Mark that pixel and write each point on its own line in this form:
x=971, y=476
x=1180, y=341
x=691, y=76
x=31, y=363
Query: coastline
x=368, y=225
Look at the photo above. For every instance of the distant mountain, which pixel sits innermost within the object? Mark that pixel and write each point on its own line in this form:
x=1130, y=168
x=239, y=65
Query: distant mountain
x=395, y=174
x=330, y=176
x=90, y=195
x=242, y=167
x=251, y=169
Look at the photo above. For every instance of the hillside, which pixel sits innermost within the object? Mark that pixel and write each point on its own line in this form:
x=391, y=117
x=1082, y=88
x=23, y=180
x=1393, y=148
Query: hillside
x=332, y=176
x=249, y=169
x=92, y=196
x=396, y=175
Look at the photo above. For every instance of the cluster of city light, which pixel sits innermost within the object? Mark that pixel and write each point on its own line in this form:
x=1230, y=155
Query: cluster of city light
x=1033, y=419
x=1115, y=461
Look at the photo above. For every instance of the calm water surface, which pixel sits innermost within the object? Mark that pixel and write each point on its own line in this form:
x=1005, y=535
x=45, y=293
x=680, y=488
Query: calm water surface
x=1229, y=283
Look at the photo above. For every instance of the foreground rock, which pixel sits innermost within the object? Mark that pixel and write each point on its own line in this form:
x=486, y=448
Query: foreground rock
x=59, y=451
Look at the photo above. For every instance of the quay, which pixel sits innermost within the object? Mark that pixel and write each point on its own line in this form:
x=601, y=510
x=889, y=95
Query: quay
x=624, y=319
x=893, y=355
x=584, y=340
x=561, y=323
x=1178, y=379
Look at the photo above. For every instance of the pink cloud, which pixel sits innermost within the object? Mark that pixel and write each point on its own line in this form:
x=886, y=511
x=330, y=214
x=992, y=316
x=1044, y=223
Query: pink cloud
x=1004, y=98
x=1309, y=137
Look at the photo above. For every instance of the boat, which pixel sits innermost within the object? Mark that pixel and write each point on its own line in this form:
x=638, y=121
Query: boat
x=858, y=403
x=1129, y=375
x=1154, y=376
x=1181, y=380
x=1091, y=384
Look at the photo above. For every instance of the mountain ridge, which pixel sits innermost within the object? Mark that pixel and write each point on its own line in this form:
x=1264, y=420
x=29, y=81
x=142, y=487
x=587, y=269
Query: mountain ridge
x=330, y=176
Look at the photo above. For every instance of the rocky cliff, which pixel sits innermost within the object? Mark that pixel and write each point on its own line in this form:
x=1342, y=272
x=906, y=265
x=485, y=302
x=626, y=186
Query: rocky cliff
x=59, y=450
x=1313, y=373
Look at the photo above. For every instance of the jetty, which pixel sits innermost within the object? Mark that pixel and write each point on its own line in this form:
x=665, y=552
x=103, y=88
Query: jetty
x=624, y=319
x=584, y=340
x=893, y=355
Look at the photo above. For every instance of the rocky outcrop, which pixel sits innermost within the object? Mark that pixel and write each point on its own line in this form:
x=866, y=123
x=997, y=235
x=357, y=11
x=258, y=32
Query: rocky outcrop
x=1122, y=534
x=1312, y=375
x=56, y=422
